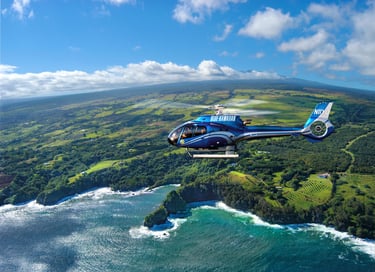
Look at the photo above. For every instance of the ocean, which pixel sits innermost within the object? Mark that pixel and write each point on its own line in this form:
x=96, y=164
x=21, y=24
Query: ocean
x=102, y=230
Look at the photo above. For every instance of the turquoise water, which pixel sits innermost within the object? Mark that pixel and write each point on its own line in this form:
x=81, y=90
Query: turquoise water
x=102, y=231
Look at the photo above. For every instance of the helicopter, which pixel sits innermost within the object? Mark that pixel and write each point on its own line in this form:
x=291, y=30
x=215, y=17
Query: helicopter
x=216, y=136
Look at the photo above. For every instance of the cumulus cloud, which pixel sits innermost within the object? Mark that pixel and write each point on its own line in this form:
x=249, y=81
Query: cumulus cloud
x=22, y=9
x=304, y=43
x=318, y=57
x=195, y=11
x=267, y=24
x=314, y=51
x=14, y=85
x=327, y=11
x=7, y=68
x=360, y=48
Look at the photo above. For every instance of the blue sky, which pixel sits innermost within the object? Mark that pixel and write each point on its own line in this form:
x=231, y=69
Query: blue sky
x=66, y=46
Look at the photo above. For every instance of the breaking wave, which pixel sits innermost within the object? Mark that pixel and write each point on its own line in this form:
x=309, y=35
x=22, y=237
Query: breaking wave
x=163, y=231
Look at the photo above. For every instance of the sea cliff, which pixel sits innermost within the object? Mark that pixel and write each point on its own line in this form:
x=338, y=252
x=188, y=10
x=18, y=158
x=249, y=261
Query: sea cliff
x=235, y=196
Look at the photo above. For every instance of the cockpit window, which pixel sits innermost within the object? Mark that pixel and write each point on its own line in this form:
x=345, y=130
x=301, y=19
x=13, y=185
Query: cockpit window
x=174, y=137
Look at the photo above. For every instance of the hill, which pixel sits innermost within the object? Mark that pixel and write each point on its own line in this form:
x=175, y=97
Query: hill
x=59, y=146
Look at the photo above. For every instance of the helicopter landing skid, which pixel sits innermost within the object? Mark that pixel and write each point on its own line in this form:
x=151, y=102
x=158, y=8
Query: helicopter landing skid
x=228, y=152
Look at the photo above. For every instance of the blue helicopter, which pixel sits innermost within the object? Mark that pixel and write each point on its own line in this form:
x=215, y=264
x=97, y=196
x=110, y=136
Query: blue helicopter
x=217, y=136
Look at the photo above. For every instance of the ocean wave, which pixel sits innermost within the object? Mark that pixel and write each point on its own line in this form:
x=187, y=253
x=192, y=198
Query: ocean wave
x=22, y=213
x=100, y=193
x=95, y=194
x=222, y=206
x=366, y=246
x=19, y=214
x=159, y=232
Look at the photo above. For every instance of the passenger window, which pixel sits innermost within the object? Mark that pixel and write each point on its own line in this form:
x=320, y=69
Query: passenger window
x=187, y=133
x=191, y=131
x=200, y=130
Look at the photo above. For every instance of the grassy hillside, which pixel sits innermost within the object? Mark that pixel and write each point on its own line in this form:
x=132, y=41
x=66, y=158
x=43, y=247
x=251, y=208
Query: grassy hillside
x=54, y=147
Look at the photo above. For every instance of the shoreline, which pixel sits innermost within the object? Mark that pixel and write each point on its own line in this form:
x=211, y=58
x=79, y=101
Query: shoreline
x=366, y=246
x=91, y=192
x=163, y=231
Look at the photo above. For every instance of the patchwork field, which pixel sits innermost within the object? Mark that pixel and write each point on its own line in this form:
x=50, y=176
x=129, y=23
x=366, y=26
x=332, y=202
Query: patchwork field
x=314, y=191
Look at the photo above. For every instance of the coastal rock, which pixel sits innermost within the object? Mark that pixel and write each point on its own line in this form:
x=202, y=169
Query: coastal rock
x=54, y=196
x=157, y=217
x=174, y=203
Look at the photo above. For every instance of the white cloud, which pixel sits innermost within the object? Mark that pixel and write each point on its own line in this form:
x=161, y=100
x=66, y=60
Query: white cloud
x=7, y=68
x=14, y=85
x=305, y=43
x=227, y=30
x=314, y=51
x=360, y=48
x=22, y=9
x=340, y=67
x=327, y=11
x=195, y=11
x=318, y=57
x=344, y=39
x=119, y=2
x=267, y=24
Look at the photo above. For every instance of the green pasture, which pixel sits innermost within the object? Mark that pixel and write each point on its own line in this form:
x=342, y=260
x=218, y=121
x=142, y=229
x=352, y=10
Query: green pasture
x=247, y=181
x=97, y=167
x=315, y=191
x=358, y=186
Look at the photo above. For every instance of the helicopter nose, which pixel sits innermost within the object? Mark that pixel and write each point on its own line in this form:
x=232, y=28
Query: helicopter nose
x=170, y=141
x=174, y=135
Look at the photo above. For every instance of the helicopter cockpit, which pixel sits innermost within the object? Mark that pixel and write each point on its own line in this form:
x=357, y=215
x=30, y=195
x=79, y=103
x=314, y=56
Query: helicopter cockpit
x=186, y=131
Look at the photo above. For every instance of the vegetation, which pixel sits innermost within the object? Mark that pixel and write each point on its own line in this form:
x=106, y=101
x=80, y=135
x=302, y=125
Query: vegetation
x=52, y=148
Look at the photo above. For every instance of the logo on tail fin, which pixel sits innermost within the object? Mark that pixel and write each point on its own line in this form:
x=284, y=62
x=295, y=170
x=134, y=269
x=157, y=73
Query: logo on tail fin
x=321, y=113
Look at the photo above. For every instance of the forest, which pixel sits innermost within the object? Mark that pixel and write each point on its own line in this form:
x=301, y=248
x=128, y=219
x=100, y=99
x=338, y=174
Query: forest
x=52, y=148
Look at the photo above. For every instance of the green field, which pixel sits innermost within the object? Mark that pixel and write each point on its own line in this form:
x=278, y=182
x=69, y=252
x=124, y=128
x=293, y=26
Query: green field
x=314, y=191
x=97, y=167
x=357, y=186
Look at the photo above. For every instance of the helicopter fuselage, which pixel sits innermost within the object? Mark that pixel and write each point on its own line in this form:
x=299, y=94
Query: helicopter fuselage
x=214, y=131
x=222, y=132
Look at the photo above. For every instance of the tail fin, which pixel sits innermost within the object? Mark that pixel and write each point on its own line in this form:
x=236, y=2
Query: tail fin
x=317, y=127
